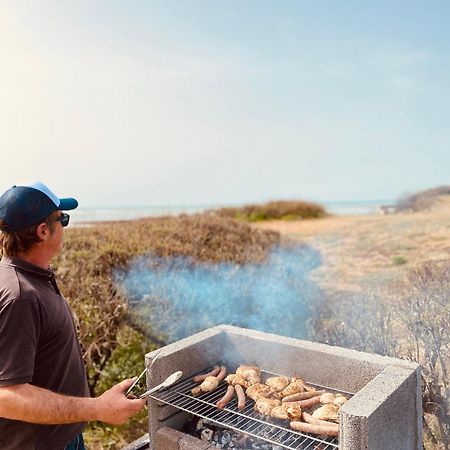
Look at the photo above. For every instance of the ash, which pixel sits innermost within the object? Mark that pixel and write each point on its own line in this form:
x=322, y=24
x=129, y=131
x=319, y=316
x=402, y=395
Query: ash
x=224, y=438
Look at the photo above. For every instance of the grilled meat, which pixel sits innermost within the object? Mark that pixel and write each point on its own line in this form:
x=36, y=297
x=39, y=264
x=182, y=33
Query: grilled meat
x=234, y=380
x=277, y=383
x=252, y=374
x=335, y=399
x=327, y=397
x=327, y=412
x=295, y=386
x=208, y=385
x=259, y=390
x=302, y=396
x=265, y=405
x=340, y=400
x=286, y=412
x=241, y=397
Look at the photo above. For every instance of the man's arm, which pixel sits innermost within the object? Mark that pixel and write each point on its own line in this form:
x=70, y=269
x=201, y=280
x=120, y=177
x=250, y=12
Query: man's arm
x=30, y=403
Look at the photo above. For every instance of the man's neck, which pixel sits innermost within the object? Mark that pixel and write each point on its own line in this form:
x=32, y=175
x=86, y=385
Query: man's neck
x=36, y=258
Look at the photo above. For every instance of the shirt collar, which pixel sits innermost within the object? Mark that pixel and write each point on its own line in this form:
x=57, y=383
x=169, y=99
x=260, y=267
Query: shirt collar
x=26, y=266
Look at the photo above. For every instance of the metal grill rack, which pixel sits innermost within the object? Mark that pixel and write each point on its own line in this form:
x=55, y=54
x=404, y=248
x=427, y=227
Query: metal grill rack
x=248, y=421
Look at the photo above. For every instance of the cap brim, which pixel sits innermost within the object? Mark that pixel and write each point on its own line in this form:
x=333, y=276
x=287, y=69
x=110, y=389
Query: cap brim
x=66, y=204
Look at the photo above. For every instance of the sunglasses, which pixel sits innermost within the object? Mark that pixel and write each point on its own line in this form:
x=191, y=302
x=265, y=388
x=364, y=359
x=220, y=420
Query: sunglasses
x=64, y=219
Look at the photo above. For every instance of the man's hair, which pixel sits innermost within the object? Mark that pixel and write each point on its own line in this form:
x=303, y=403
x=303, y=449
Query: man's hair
x=14, y=242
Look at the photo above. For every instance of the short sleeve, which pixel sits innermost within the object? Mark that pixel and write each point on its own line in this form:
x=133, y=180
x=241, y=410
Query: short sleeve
x=19, y=333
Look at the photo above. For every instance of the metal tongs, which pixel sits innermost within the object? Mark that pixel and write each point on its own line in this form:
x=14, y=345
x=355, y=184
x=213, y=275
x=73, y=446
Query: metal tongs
x=148, y=367
x=167, y=382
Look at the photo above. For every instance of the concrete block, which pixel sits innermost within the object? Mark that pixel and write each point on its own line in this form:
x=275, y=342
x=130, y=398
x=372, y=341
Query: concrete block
x=139, y=444
x=385, y=412
x=169, y=439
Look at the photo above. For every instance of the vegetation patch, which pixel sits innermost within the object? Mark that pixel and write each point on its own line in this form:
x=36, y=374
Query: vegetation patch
x=412, y=322
x=276, y=210
x=422, y=200
x=399, y=260
x=113, y=347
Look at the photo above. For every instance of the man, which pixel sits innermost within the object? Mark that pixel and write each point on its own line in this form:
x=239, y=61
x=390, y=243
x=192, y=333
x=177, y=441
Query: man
x=44, y=399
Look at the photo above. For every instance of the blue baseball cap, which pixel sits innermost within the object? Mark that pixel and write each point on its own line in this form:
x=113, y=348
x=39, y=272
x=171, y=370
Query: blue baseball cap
x=23, y=206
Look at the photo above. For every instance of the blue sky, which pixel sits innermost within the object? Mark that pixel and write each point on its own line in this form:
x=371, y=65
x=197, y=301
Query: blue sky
x=204, y=102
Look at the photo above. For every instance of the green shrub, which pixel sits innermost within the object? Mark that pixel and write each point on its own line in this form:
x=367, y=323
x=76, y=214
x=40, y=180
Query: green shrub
x=126, y=361
x=399, y=260
x=287, y=210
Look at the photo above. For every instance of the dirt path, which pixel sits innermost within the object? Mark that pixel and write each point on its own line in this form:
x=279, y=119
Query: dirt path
x=363, y=251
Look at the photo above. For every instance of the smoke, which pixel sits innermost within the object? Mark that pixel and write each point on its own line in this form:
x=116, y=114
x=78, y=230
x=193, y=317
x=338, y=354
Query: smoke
x=176, y=297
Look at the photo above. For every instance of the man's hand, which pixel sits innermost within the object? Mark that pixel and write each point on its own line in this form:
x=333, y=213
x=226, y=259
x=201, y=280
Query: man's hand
x=33, y=404
x=114, y=407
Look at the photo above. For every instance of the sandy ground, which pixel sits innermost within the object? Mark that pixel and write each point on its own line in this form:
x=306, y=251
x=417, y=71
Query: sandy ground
x=368, y=251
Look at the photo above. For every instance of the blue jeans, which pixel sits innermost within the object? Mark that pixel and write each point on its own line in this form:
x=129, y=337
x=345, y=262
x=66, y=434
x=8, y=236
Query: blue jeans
x=76, y=444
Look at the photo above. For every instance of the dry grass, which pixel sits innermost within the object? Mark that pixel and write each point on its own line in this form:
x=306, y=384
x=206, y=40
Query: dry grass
x=112, y=350
x=91, y=254
x=386, y=280
x=409, y=320
x=363, y=251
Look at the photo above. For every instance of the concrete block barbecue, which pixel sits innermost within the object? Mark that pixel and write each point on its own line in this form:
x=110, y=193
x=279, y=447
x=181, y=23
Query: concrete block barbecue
x=384, y=411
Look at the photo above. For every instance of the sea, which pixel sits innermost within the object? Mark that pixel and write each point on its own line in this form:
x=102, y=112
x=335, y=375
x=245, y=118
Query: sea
x=85, y=215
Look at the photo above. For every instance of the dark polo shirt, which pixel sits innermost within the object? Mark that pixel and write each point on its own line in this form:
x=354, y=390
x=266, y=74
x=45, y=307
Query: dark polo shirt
x=38, y=345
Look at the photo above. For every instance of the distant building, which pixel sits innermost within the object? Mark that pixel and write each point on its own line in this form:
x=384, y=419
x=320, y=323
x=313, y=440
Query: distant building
x=387, y=209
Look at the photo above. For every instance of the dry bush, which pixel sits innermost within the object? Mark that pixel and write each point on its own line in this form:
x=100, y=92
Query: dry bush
x=362, y=322
x=412, y=322
x=273, y=210
x=85, y=272
x=207, y=238
x=421, y=200
x=91, y=254
x=424, y=312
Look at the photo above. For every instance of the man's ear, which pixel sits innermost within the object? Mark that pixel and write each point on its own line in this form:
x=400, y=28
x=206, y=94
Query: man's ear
x=43, y=231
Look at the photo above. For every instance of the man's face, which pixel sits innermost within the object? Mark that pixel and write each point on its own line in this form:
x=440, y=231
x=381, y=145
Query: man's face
x=56, y=233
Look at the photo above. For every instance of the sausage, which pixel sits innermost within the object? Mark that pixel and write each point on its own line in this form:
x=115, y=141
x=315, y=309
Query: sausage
x=213, y=373
x=329, y=430
x=313, y=421
x=305, y=404
x=226, y=398
x=222, y=373
x=241, y=397
x=301, y=396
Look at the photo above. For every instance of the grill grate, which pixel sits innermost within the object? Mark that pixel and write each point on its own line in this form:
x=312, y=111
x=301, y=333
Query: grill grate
x=247, y=421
